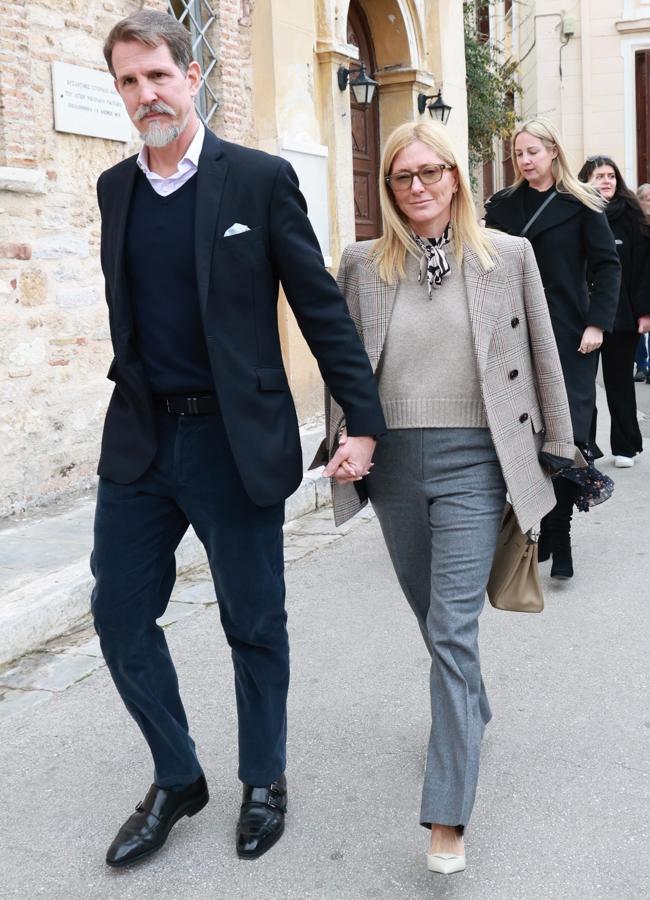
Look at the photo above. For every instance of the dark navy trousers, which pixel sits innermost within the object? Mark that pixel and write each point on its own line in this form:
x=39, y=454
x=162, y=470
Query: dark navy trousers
x=193, y=480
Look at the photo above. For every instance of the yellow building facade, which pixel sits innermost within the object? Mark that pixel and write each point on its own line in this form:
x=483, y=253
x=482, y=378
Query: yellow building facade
x=584, y=64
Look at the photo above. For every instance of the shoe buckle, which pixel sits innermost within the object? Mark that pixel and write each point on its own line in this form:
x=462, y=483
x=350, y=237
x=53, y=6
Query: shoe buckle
x=275, y=798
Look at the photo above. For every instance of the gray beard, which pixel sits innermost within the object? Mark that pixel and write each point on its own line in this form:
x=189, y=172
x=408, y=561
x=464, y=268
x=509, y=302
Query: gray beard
x=160, y=135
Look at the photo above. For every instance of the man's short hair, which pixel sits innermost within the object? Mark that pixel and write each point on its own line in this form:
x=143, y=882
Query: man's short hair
x=643, y=189
x=151, y=28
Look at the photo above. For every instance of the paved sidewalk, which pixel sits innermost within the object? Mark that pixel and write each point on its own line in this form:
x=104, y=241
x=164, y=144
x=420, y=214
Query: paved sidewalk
x=45, y=579
x=70, y=658
x=562, y=806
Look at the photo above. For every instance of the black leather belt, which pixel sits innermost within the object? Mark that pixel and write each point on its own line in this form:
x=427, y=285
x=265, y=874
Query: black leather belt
x=201, y=405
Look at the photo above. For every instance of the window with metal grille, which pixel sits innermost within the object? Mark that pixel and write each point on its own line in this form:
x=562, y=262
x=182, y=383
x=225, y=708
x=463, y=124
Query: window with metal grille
x=198, y=17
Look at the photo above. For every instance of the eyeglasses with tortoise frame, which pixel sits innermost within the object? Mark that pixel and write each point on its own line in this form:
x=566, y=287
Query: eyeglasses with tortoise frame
x=429, y=174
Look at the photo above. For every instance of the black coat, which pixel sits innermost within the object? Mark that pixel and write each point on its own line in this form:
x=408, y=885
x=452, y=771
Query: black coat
x=568, y=238
x=238, y=279
x=634, y=252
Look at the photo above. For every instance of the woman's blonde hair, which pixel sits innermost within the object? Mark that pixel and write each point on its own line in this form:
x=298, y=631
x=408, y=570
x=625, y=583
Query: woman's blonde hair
x=565, y=180
x=390, y=249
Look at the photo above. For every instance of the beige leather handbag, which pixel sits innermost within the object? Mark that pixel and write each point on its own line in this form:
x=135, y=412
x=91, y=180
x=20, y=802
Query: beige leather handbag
x=514, y=583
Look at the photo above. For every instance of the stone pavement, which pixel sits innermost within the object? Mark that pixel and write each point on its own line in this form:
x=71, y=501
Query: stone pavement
x=45, y=579
x=70, y=658
x=562, y=805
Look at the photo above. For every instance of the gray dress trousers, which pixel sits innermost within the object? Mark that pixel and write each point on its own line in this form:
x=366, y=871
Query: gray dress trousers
x=439, y=496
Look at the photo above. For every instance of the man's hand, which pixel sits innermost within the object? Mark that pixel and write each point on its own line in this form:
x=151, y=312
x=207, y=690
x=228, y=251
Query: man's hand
x=352, y=460
x=592, y=338
x=644, y=325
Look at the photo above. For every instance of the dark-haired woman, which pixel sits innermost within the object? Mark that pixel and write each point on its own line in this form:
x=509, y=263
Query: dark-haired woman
x=563, y=219
x=632, y=234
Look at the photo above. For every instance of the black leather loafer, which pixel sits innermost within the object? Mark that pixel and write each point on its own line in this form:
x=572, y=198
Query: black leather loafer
x=146, y=830
x=261, y=820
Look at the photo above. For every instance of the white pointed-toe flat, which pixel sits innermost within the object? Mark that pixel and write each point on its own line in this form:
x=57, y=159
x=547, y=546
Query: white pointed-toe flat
x=445, y=863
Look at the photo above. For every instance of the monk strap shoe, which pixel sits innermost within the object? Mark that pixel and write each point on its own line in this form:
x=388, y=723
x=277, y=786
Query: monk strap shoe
x=147, y=829
x=261, y=819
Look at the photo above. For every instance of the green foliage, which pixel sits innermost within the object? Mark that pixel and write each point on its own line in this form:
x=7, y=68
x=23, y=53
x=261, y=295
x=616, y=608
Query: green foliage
x=491, y=88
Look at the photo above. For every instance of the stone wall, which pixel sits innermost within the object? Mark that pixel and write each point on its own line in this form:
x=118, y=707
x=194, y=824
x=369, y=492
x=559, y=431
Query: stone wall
x=54, y=340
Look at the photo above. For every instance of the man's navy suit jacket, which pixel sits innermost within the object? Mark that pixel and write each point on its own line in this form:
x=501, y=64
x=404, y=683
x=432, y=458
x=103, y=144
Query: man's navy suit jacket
x=238, y=279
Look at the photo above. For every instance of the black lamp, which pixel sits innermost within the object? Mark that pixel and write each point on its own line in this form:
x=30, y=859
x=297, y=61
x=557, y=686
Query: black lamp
x=438, y=109
x=363, y=87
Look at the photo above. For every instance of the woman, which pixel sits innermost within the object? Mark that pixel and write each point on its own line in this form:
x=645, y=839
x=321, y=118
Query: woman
x=457, y=329
x=642, y=358
x=632, y=234
x=564, y=221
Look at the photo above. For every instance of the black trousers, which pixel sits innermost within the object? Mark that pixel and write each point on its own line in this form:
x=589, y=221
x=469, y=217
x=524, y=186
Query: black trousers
x=193, y=480
x=618, y=351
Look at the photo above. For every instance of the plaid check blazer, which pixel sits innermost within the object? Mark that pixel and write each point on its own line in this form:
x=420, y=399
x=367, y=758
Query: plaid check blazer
x=511, y=329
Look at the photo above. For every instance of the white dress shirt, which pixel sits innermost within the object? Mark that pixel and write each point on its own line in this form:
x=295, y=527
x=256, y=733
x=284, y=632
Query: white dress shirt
x=186, y=167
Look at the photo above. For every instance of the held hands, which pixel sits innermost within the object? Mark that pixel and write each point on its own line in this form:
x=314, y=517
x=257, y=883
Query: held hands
x=592, y=338
x=352, y=460
x=644, y=325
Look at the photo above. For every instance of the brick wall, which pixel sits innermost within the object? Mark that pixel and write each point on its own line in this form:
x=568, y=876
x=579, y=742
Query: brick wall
x=233, y=44
x=17, y=132
x=54, y=341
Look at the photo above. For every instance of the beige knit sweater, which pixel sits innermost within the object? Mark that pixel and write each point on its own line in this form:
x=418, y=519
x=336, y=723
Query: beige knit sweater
x=427, y=374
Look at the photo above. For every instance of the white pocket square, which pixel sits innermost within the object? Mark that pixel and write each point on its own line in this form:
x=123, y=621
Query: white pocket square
x=236, y=228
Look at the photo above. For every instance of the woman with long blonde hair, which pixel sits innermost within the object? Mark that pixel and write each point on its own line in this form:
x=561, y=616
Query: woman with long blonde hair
x=456, y=326
x=564, y=221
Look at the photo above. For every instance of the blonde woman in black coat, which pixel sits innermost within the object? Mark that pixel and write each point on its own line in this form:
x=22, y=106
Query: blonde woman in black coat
x=565, y=223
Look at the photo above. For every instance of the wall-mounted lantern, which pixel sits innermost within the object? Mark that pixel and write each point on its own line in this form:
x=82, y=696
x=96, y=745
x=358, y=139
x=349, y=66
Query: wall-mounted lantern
x=363, y=87
x=438, y=109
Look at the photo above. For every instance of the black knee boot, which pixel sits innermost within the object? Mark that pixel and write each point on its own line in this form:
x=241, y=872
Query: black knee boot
x=557, y=526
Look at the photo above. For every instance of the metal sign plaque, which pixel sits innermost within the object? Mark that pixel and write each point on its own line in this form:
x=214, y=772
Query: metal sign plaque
x=86, y=102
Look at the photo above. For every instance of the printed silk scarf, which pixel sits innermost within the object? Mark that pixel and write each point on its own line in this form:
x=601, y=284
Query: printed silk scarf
x=434, y=259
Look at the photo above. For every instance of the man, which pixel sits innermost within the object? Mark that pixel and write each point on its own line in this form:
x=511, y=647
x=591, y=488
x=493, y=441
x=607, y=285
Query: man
x=201, y=428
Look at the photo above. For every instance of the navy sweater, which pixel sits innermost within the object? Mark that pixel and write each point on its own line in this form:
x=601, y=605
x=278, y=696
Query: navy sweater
x=164, y=296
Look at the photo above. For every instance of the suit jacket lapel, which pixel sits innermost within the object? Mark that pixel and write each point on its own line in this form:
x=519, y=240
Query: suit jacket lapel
x=120, y=293
x=376, y=299
x=485, y=292
x=211, y=176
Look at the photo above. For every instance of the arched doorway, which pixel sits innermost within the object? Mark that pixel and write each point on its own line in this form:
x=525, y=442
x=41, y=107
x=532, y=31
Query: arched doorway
x=365, y=135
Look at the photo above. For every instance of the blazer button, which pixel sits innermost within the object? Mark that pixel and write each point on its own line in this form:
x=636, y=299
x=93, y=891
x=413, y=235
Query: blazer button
x=513, y=374
x=514, y=322
x=523, y=417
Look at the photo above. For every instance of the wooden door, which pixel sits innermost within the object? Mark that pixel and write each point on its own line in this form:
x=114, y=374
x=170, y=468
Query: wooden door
x=643, y=116
x=365, y=135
